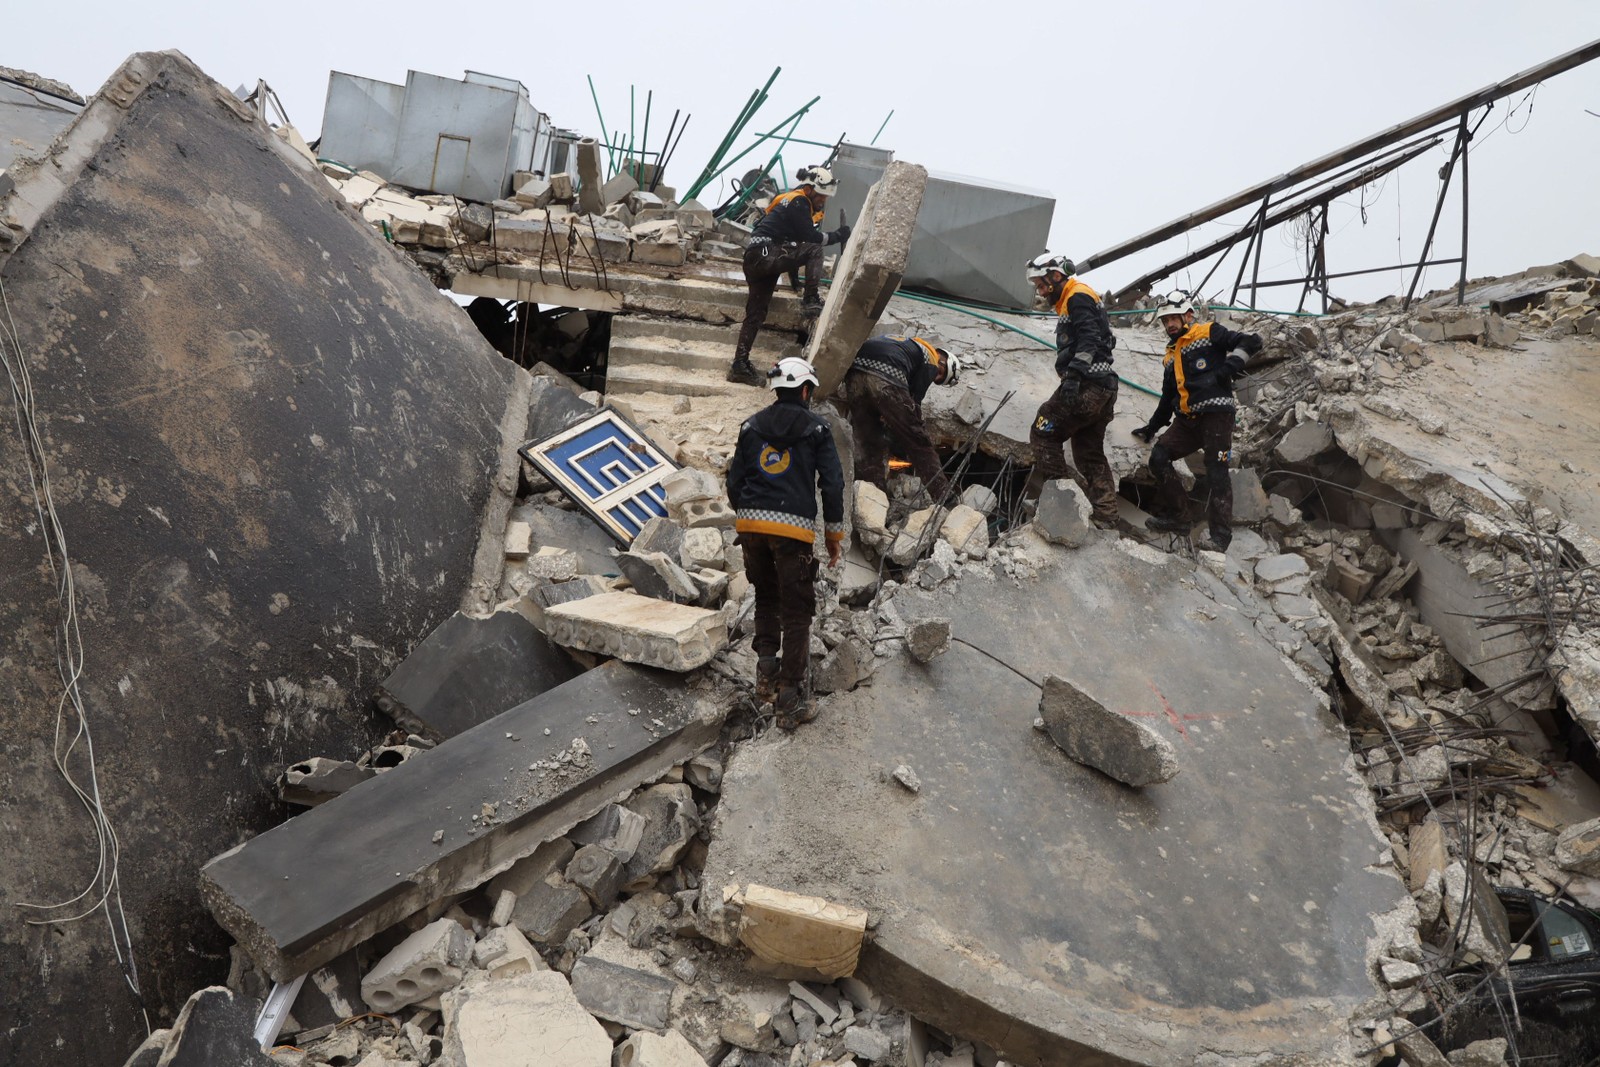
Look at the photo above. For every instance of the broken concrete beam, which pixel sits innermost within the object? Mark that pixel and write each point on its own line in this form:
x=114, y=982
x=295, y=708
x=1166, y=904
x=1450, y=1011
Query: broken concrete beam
x=215, y=1027
x=670, y=1049
x=528, y=1019
x=1065, y=514
x=469, y=670
x=639, y=629
x=802, y=931
x=868, y=272
x=590, y=199
x=317, y=779
x=1098, y=737
x=427, y=963
x=622, y=994
x=439, y=824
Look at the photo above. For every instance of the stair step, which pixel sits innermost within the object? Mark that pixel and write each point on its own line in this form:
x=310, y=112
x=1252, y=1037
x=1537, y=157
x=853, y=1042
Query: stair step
x=669, y=352
x=675, y=381
x=639, y=327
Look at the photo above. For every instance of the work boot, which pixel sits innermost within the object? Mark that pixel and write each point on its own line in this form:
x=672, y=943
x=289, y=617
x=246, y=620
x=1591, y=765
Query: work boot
x=793, y=707
x=767, y=679
x=1104, y=522
x=811, y=305
x=1167, y=524
x=744, y=373
x=1211, y=543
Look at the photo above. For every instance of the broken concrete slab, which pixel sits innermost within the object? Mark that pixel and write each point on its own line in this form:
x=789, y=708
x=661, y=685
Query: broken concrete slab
x=550, y=910
x=670, y=1049
x=214, y=1027
x=1089, y=732
x=385, y=831
x=1064, y=515
x=657, y=575
x=868, y=272
x=1304, y=443
x=1184, y=977
x=800, y=931
x=622, y=994
x=424, y=965
x=639, y=629
x=528, y=1019
x=468, y=671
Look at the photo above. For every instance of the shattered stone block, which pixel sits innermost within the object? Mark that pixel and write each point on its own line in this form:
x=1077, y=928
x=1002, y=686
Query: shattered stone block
x=711, y=586
x=1500, y=333
x=550, y=910
x=639, y=629
x=317, y=779
x=870, y=512
x=966, y=530
x=980, y=498
x=598, y=872
x=501, y=950
x=561, y=187
x=840, y=670
x=616, y=829
x=928, y=638
x=553, y=564
x=1249, y=499
x=914, y=537
x=701, y=548
x=529, y=1019
x=1578, y=848
x=1064, y=515
x=1281, y=511
x=1098, y=737
x=671, y=820
x=619, y=188
x=640, y=202
x=654, y=574
x=695, y=499
x=1304, y=443
x=1465, y=328
x=803, y=931
x=622, y=994
x=1350, y=580
x=670, y=1049
x=693, y=215
x=542, y=237
x=868, y=1043
x=659, y=535
x=593, y=242
x=659, y=253
x=425, y=964
x=1429, y=331
x=536, y=192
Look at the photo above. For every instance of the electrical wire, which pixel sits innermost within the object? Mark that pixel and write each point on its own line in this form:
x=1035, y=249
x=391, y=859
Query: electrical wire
x=105, y=884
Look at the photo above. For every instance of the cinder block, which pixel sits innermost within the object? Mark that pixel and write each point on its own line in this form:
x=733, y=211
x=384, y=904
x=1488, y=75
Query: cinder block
x=429, y=962
x=622, y=994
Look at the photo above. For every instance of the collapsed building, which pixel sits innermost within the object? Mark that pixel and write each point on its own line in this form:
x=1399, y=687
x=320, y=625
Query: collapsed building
x=533, y=816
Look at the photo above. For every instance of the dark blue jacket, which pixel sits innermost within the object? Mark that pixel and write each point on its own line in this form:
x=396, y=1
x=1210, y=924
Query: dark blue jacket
x=785, y=452
x=903, y=361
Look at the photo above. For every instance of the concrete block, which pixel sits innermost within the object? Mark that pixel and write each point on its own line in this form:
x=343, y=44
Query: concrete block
x=1500, y=333
x=655, y=574
x=968, y=406
x=1304, y=443
x=868, y=272
x=802, y=931
x=424, y=965
x=1249, y=499
x=640, y=202
x=1429, y=331
x=914, y=537
x=1578, y=848
x=310, y=782
x=590, y=200
x=1465, y=328
x=870, y=511
x=928, y=638
x=214, y=1027
x=553, y=564
x=519, y=540
x=693, y=215
x=1426, y=850
x=672, y=253
x=537, y=238
x=840, y=670
x=622, y=994
x=562, y=187
x=868, y=1043
x=1281, y=511
x=980, y=498
x=1064, y=514
x=659, y=535
x=529, y=1019
x=1096, y=736
x=639, y=629
x=619, y=188
x=536, y=192
x=1350, y=580
x=670, y=1049
x=503, y=948
x=591, y=243
x=598, y=872
x=702, y=548
x=712, y=586
x=550, y=910
x=1273, y=571
x=704, y=772
x=966, y=530
x=617, y=829
x=671, y=820
x=693, y=496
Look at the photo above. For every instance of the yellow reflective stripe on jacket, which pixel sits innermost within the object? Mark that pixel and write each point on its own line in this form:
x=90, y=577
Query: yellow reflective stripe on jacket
x=1072, y=289
x=1200, y=331
x=929, y=353
x=784, y=198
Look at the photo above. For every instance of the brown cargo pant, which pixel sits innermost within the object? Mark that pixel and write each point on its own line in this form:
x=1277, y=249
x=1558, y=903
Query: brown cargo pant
x=783, y=572
x=1079, y=415
x=1212, y=432
x=882, y=417
x=764, y=264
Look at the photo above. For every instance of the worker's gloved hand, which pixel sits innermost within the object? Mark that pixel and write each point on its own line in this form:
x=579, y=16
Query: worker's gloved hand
x=1146, y=433
x=839, y=236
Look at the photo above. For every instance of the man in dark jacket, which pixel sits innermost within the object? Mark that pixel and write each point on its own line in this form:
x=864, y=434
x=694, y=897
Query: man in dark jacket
x=785, y=454
x=883, y=391
x=1085, y=400
x=785, y=240
x=1201, y=363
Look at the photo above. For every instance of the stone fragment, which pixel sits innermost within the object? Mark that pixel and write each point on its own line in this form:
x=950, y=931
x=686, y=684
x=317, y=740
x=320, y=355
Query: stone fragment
x=928, y=638
x=803, y=995
x=1426, y=851
x=214, y=1027
x=535, y=192
x=519, y=538
x=616, y=829
x=868, y=1043
x=598, y=872
x=914, y=537
x=1281, y=511
x=524, y=1020
x=317, y=779
x=907, y=778
x=659, y=534
x=840, y=670
x=701, y=548
x=966, y=530
x=639, y=629
x=553, y=564
x=550, y=910
x=655, y=574
x=1418, y=1050
x=619, y=188
x=809, y=932
x=1274, y=571
x=1064, y=514
x=1249, y=499
x=1474, y=910
x=505, y=951
x=424, y=965
x=622, y=994
x=522, y=876
x=671, y=820
x=1397, y=974
x=1304, y=443
x=1465, y=328
x=1578, y=848
x=1098, y=737
x=561, y=187
x=980, y=498
x=670, y=1049
x=870, y=511
x=1490, y=1052
x=1500, y=333
x=704, y=772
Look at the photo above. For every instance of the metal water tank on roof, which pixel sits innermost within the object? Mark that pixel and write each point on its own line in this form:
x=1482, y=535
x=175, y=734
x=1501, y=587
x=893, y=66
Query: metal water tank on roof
x=434, y=134
x=973, y=238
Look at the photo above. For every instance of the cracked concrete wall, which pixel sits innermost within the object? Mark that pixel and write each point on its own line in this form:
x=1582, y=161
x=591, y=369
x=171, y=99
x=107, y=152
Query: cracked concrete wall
x=270, y=441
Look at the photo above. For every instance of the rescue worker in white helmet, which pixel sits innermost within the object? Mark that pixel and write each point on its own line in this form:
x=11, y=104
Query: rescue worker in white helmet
x=1199, y=368
x=785, y=454
x=1084, y=403
x=882, y=393
x=785, y=240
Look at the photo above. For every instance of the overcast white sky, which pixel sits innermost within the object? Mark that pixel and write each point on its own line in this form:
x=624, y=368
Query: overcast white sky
x=1129, y=113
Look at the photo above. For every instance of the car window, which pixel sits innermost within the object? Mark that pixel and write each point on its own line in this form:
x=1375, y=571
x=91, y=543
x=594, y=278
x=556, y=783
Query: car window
x=1564, y=935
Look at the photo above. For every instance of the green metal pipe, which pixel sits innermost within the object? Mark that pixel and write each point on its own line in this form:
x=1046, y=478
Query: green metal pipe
x=886, y=119
x=794, y=118
x=749, y=190
x=751, y=106
x=644, y=138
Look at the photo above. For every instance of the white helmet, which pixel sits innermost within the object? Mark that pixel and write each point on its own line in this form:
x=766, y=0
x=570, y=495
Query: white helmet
x=952, y=366
x=791, y=373
x=1176, y=302
x=819, y=178
x=1045, y=262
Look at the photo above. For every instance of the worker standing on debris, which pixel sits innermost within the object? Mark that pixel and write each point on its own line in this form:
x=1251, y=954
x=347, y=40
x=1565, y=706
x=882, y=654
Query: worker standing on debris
x=786, y=239
x=1084, y=402
x=883, y=391
x=785, y=454
x=1201, y=363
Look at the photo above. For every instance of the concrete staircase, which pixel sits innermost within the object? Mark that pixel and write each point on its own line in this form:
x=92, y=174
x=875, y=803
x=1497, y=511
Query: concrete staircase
x=684, y=357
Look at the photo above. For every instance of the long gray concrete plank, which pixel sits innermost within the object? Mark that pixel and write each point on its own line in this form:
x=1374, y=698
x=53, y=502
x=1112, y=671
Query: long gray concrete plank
x=305, y=891
x=1038, y=905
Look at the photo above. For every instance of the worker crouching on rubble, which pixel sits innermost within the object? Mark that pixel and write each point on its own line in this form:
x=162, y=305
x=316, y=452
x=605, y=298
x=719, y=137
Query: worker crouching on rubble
x=883, y=393
x=1084, y=403
x=786, y=239
x=785, y=454
x=1201, y=363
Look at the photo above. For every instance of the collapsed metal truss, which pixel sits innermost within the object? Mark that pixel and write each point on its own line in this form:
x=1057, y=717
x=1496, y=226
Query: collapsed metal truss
x=1311, y=187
